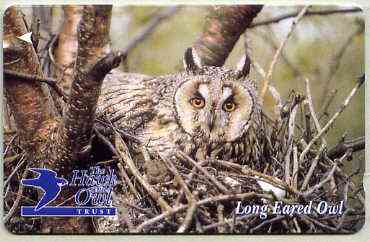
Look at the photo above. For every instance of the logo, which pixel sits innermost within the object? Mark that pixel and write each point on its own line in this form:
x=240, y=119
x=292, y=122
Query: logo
x=93, y=197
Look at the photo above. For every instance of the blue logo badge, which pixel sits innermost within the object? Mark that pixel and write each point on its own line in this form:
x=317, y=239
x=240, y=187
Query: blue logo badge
x=93, y=198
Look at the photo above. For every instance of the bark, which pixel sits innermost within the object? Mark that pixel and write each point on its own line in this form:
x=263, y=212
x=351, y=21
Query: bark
x=92, y=64
x=66, y=50
x=85, y=89
x=222, y=29
x=54, y=142
x=27, y=101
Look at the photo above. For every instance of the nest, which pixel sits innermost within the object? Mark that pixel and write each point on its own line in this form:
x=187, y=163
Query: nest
x=293, y=166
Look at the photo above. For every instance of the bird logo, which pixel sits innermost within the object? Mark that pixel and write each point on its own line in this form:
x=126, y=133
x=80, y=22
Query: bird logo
x=48, y=182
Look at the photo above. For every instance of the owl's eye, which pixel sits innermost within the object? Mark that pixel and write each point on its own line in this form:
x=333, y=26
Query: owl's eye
x=197, y=102
x=229, y=106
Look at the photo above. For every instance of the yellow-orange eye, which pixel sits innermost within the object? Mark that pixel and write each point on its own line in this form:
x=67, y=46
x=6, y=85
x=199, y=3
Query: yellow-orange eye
x=229, y=106
x=197, y=102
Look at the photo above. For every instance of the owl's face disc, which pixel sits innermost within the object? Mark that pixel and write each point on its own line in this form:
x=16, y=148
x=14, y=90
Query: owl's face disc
x=215, y=110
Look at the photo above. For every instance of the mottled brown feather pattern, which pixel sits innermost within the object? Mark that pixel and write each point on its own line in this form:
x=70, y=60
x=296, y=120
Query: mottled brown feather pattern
x=145, y=107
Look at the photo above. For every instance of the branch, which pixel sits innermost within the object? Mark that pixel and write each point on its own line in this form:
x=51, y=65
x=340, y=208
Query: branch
x=266, y=81
x=149, y=28
x=214, y=199
x=27, y=101
x=222, y=29
x=312, y=110
x=66, y=51
x=126, y=159
x=343, y=147
x=328, y=125
x=308, y=13
x=26, y=77
x=336, y=61
x=92, y=64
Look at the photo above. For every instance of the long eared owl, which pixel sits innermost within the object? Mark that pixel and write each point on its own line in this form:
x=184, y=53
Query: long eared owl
x=203, y=111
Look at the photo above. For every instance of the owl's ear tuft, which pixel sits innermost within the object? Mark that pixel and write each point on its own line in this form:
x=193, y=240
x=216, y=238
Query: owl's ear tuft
x=192, y=61
x=243, y=67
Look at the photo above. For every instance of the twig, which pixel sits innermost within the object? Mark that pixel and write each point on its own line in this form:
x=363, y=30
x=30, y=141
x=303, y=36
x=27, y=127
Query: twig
x=342, y=218
x=266, y=81
x=355, y=145
x=312, y=110
x=291, y=126
x=333, y=229
x=295, y=167
x=120, y=167
x=351, y=184
x=323, y=181
x=27, y=77
x=230, y=197
x=188, y=180
x=178, y=178
x=332, y=120
x=324, y=110
x=274, y=93
x=308, y=13
x=312, y=167
x=9, y=145
x=253, y=174
x=336, y=61
x=205, y=172
x=220, y=216
x=123, y=151
x=128, y=181
x=189, y=215
x=17, y=200
x=149, y=28
x=307, y=118
x=266, y=222
x=20, y=163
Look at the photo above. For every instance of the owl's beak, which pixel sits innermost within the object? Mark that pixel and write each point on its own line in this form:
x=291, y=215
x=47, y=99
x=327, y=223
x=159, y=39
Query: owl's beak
x=211, y=122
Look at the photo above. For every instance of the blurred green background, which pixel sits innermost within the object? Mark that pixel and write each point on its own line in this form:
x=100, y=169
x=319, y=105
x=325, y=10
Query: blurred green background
x=329, y=50
x=313, y=49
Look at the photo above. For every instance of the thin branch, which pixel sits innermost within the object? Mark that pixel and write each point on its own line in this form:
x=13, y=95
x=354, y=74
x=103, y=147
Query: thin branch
x=312, y=110
x=189, y=216
x=342, y=147
x=291, y=127
x=17, y=200
x=27, y=101
x=330, y=99
x=20, y=163
x=335, y=116
x=336, y=61
x=295, y=167
x=266, y=222
x=27, y=77
x=219, y=198
x=204, y=171
x=149, y=28
x=265, y=83
x=327, y=178
x=178, y=178
x=125, y=157
x=309, y=13
x=312, y=167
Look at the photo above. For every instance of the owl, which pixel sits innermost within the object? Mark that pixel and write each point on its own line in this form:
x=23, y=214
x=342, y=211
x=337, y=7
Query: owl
x=204, y=111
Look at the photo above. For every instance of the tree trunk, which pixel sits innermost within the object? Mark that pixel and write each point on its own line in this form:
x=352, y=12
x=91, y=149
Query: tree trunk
x=222, y=29
x=52, y=142
x=66, y=50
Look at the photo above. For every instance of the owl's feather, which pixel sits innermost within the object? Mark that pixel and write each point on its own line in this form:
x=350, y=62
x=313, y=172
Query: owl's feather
x=152, y=110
